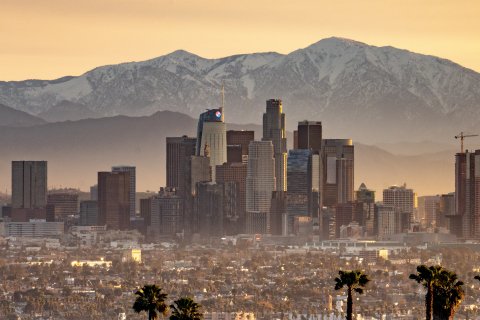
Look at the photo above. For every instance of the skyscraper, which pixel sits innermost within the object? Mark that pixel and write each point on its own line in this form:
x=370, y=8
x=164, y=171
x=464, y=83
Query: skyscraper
x=309, y=135
x=242, y=138
x=132, y=172
x=429, y=210
x=198, y=170
x=234, y=153
x=63, y=205
x=338, y=171
x=447, y=211
x=261, y=183
x=212, y=137
x=114, y=200
x=29, y=190
x=278, y=218
x=166, y=213
x=366, y=198
x=179, y=151
x=403, y=199
x=389, y=220
x=467, y=194
x=274, y=130
x=237, y=173
x=216, y=208
x=363, y=194
x=29, y=184
x=89, y=213
x=299, y=185
x=211, y=115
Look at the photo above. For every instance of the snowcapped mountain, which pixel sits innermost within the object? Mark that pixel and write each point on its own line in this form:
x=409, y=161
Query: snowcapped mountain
x=369, y=93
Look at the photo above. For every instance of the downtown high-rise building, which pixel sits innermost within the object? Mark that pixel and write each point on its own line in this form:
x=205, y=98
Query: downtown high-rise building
x=234, y=153
x=114, y=200
x=88, y=213
x=447, y=210
x=299, y=184
x=467, y=195
x=216, y=206
x=133, y=181
x=212, y=137
x=166, y=213
x=198, y=170
x=29, y=184
x=237, y=173
x=403, y=199
x=179, y=151
x=309, y=135
x=261, y=182
x=62, y=205
x=239, y=138
x=338, y=171
x=29, y=190
x=274, y=131
x=366, y=198
x=389, y=220
x=429, y=210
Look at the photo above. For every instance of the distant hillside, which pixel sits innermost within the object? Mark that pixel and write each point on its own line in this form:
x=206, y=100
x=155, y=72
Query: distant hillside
x=67, y=110
x=77, y=150
x=368, y=93
x=15, y=118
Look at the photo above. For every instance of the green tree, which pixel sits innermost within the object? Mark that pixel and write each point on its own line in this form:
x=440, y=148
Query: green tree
x=447, y=295
x=151, y=300
x=354, y=280
x=185, y=309
x=427, y=276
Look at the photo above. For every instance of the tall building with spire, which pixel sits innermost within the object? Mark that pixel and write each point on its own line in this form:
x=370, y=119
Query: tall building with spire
x=212, y=136
x=274, y=130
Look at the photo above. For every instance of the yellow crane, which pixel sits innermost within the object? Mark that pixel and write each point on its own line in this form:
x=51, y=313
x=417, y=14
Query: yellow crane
x=462, y=136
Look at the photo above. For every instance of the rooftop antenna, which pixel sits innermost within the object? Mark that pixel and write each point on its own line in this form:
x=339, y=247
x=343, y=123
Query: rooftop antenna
x=223, y=101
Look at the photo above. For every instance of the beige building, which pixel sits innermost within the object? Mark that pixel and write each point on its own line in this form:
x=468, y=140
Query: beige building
x=261, y=183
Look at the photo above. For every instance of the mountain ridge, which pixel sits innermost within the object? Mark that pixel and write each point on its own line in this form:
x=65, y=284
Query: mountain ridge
x=10, y=117
x=77, y=150
x=346, y=83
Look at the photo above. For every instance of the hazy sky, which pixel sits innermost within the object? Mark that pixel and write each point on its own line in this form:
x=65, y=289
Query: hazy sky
x=52, y=38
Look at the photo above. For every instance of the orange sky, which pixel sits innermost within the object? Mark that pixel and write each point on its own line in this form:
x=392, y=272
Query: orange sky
x=51, y=38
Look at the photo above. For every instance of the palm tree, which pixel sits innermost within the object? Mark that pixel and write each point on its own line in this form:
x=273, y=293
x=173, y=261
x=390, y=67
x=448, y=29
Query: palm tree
x=151, y=300
x=448, y=295
x=354, y=280
x=186, y=309
x=427, y=276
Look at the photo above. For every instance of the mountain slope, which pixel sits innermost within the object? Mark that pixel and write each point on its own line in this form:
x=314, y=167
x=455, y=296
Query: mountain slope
x=15, y=118
x=77, y=150
x=378, y=94
x=67, y=110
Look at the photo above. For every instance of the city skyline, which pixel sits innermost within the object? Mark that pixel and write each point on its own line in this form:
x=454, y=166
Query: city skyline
x=73, y=38
x=255, y=160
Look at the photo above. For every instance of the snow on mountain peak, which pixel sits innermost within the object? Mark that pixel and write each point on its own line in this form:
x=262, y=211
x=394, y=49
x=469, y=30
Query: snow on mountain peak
x=331, y=77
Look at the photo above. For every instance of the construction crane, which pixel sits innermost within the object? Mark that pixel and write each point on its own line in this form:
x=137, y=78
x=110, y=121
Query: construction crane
x=462, y=136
